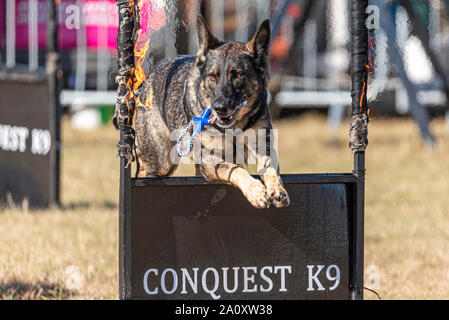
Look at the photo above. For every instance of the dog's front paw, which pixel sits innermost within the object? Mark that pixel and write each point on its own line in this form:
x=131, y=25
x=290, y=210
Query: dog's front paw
x=256, y=193
x=278, y=196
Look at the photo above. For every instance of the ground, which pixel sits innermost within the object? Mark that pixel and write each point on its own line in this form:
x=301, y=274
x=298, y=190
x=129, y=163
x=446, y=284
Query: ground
x=71, y=252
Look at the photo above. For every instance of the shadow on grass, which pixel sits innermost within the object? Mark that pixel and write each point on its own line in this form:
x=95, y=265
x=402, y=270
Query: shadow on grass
x=87, y=205
x=336, y=143
x=19, y=290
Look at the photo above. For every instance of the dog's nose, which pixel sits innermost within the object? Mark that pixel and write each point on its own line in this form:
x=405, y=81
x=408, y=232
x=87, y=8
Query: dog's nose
x=220, y=108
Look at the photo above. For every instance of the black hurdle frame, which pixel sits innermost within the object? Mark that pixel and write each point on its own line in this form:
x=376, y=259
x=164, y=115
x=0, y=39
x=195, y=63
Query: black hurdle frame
x=52, y=69
x=50, y=73
x=358, y=143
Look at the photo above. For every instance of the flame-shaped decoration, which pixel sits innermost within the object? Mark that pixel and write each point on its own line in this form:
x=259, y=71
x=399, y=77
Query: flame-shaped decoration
x=139, y=74
x=150, y=18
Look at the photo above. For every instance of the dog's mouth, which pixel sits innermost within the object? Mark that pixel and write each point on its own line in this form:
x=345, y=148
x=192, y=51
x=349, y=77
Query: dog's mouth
x=230, y=119
x=226, y=121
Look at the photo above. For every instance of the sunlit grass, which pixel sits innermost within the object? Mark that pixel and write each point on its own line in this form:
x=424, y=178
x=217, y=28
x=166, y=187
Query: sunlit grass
x=407, y=211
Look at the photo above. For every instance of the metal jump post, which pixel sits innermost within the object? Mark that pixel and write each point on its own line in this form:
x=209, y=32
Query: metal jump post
x=153, y=235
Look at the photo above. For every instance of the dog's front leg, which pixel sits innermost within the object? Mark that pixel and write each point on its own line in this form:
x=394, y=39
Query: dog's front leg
x=215, y=170
x=269, y=171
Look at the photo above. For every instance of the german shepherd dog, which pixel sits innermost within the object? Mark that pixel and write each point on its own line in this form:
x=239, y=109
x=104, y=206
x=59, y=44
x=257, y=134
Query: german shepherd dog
x=221, y=75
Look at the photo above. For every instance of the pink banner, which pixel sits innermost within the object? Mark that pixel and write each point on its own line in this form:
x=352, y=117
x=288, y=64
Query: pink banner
x=67, y=37
x=101, y=20
x=2, y=19
x=98, y=17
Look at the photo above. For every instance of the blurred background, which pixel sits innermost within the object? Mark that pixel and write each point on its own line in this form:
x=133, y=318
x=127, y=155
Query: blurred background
x=309, y=50
x=70, y=250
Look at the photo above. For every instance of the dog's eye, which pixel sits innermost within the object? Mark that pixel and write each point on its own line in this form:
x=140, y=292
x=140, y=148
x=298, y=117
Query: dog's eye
x=212, y=77
x=236, y=76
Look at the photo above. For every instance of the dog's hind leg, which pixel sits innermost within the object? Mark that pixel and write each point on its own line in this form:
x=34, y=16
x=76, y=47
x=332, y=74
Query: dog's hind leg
x=198, y=170
x=153, y=145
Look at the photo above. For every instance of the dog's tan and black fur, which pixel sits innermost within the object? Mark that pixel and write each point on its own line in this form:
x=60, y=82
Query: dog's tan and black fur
x=221, y=75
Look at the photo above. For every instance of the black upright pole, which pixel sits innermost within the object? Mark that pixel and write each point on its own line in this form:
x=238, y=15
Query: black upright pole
x=52, y=69
x=358, y=136
x=123, y=121
x=124, y=226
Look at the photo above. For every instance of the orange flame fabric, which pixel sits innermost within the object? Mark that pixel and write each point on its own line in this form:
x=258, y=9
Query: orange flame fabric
x=151, y=18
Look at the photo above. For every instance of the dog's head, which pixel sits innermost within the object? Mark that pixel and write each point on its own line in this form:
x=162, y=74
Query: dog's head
x=232, y=74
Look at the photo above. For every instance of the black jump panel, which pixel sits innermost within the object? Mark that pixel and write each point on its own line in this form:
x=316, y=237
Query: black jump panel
x=186, y=239
x=27, y=144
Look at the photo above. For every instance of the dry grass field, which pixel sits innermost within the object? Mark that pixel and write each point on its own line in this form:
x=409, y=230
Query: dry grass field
x=407, y=212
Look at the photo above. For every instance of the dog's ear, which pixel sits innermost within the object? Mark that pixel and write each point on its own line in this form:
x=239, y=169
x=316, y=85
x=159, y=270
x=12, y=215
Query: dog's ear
x=206, y=39
x=259, y=45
